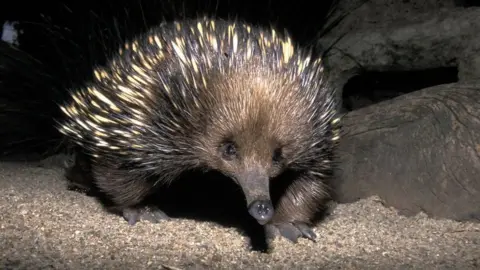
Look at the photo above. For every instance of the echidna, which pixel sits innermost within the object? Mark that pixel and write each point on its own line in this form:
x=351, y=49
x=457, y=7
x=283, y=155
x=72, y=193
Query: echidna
x=215, y=95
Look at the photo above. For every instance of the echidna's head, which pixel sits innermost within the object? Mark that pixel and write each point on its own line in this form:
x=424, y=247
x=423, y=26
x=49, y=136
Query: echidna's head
x=258, y=125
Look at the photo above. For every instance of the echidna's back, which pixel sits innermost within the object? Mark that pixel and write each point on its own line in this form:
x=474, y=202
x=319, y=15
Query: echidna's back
x=164, y=87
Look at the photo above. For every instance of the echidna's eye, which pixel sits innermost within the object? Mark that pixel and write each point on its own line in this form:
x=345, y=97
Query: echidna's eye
x=277, y=155
x=229, y=150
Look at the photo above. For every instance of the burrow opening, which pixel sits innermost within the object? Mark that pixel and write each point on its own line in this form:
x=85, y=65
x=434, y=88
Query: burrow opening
x=369, y=88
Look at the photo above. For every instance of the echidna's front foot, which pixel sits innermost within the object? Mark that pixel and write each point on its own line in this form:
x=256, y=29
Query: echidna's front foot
x=152, y=214
x=291, y=231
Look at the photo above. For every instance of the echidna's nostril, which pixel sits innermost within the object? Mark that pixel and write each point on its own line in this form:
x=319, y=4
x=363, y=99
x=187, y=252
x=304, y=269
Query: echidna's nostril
x=261, y=210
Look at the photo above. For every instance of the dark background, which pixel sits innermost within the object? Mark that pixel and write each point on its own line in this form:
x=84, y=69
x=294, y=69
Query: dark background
x=66, y=34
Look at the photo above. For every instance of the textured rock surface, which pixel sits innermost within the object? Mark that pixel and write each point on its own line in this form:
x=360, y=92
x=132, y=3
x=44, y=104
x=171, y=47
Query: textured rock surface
x=418, y=152
x=403, y=36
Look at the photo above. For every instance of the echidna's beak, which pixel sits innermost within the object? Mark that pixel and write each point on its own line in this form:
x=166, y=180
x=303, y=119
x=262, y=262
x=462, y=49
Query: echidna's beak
x=256, y=187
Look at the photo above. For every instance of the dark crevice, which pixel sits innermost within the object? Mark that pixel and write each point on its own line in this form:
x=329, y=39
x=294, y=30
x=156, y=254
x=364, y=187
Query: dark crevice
x=467, y=3
x=372, y=87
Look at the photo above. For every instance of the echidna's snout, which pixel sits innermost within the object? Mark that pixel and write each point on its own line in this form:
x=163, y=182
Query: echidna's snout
x=261, y=210
x=256, y=187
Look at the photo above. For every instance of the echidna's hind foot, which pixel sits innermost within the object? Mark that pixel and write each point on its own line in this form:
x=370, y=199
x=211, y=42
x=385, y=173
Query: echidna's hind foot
x=148, y=213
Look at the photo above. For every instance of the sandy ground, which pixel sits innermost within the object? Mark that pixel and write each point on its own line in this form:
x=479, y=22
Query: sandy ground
x=44, y=226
